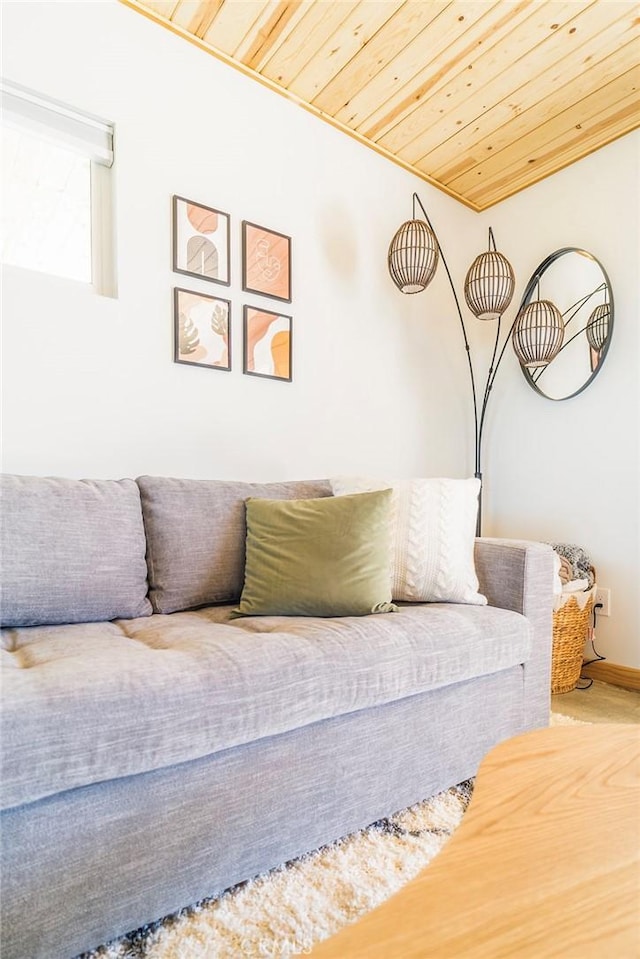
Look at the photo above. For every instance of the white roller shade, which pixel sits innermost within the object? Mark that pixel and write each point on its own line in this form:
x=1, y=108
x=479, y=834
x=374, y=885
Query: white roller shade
x=68, y=127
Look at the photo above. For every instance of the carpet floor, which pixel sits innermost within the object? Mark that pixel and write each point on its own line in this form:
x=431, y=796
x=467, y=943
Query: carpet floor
x=288, y=910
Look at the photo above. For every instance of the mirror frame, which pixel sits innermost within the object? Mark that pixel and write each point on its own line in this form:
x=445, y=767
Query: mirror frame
x=528, y=296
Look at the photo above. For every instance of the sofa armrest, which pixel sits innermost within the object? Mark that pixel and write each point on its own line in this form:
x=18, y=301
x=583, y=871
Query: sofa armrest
x=518, y=575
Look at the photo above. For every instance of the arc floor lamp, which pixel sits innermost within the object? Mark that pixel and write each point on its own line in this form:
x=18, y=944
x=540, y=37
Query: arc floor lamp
x=536, y=333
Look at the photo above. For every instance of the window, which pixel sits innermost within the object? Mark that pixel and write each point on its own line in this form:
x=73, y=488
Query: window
x=56, y=198
x=46, y=206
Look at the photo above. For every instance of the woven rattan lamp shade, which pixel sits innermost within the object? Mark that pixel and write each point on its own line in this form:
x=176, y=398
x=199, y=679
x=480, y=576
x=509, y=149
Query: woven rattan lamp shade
x=413, y=256
x=598, y=326
x=489, y=285
x=538, y=334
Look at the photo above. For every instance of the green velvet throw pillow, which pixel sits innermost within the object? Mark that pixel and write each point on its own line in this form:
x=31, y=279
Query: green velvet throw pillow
x=318, y=557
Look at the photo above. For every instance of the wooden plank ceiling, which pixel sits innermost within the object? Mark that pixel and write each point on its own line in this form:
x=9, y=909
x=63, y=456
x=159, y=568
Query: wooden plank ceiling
x=481, y=98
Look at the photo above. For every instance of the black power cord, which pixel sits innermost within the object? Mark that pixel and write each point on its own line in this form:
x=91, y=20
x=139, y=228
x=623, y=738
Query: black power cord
x=597, y=657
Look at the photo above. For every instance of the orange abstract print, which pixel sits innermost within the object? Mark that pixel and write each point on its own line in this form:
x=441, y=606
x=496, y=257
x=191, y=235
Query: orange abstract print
x=267, y=344
x=201, y=241
x=267, y=262
x=202, y=330
x=202, y=219
x=280, y=353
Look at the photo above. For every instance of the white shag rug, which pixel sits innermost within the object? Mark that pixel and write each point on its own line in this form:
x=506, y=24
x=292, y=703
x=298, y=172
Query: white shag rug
x=289, y=909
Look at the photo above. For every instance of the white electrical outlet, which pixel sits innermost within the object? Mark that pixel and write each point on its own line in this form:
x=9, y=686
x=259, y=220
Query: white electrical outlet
x=603, y=596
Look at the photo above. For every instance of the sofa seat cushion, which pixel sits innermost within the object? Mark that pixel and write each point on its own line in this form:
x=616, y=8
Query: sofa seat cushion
x=91, y=702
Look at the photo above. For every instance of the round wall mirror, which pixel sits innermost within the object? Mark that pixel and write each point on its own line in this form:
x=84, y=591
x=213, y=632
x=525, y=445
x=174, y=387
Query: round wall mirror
x=577, y=284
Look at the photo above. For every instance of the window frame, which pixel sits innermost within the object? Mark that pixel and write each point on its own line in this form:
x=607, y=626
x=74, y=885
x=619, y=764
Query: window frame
x=92, y=137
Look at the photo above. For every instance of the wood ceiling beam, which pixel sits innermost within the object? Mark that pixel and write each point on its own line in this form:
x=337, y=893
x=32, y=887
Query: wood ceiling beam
x=604, y=58
x=598, y=132
x=511, y=57
x=479, y=98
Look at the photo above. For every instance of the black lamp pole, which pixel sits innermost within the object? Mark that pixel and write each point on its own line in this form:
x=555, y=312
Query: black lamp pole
x=479, y=410
x=538, y=330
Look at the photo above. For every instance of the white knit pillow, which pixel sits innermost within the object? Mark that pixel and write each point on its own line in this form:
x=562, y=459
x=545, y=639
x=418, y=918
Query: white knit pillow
x=433, y=533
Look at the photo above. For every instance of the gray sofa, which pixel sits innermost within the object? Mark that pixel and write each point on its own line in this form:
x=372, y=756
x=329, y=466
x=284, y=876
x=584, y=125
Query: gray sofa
x=156, y=751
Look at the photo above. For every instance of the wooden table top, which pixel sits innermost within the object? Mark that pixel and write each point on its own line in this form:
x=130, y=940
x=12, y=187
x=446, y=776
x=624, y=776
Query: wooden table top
x=546, y=862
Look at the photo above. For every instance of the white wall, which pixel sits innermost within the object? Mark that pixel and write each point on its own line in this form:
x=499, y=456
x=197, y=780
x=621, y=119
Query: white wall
x=570, y=471
x=90, y=386
x=380, y=382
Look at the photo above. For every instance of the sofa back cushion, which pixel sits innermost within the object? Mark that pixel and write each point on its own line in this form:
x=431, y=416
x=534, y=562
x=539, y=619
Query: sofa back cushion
x=196, y=532
x=72, y=551
x=433, y=524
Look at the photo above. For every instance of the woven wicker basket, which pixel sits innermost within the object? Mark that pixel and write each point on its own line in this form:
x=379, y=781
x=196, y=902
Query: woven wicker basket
x=570, y=630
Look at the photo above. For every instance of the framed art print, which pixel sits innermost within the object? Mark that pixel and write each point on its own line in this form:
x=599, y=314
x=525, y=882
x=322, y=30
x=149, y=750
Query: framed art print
x=201, y=241
x=202, y=330
x=266, y=262
x=267, y=344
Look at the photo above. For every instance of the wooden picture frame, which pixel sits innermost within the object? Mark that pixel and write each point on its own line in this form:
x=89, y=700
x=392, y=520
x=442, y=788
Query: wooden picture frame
x=267, y=344
x=201, y=241
x=201, y=330
x=266, y=262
